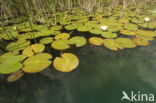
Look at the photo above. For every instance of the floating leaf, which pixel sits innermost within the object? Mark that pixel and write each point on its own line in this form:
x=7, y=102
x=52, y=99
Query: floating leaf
x=96, y=40
x=84, y=28
x=96, y=31
x=78, y=40
x=125, y=42
x=19, y=45
x=38, y=48
x=37, y=63
x=11, y=64
x=109, y=35
x=62, y=36
x=66, y=63
x=146, y=33
x=15, y=76
x=141, y=42
x=46, y=40
x=111, y=44
x=127, y=32
x=130, y=26
x=28, y=51
x=60, y=44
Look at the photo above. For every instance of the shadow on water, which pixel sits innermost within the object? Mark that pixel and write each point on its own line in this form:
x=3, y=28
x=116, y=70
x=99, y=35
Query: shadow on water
x=100, y=78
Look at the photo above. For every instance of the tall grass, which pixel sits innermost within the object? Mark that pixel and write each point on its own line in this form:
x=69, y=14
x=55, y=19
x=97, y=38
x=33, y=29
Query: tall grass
x=38, y=9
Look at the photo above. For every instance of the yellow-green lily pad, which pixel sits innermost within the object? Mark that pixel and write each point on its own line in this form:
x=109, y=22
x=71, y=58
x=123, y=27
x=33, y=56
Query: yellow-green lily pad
x=38, y=48
x=141, y=41
x=28, y=51
x=66, y=63
x=96, y=40
x=19, y=45
x=109, y=35
x=111, y=44
x=46, y=40
x=60, y=44
x=125, y=42
x=127, y=32
x=62, y=36
x=11, y=64
x=78, y=41
x=37, y=63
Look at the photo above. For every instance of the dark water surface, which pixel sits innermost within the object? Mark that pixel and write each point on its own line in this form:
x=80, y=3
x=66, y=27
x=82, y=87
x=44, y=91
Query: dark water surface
x=100, y=78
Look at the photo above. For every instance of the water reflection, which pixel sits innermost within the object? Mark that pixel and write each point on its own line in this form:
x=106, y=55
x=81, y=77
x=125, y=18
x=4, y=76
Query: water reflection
x=100, y=78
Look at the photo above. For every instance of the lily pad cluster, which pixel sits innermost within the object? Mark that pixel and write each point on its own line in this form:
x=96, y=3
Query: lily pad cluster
x=30, y=49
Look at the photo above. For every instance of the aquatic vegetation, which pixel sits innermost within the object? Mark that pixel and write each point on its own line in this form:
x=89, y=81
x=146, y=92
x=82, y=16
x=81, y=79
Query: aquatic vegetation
x=11, y=64
x=46, y=40
x=19, y=45
x=96, y=40
x=111, y=44
x=62, y=36
x=125, y=42
x=37, y=63
x=60, y=44
x=78, y=41
x=59, y=27
x=15, y=76
x=66, y=63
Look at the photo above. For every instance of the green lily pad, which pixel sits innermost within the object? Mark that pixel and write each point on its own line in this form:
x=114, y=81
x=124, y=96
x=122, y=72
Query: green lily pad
x=38, y=48
x=78, y=41
x=19, y=45
x=96, y=40
x=96, y=31
x=11, y=64
x=111, y=44
x=62, y=36
x=109, y=35
x=28, y=51
x=127, y=32
x=46, y=40
x=37, y=63
x=130, y=26
x=125, y=42
x=83, y=28
x=60, y=44
x=71, y=27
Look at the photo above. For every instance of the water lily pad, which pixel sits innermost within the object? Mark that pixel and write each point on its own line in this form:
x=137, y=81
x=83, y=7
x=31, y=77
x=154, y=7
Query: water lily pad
x=146, y=33
x=46, y=40
x=127, y=32
x=78, y=41
x=96, y=40
x=111, y=44
x=38, y=48
x=141, y=41
x=66, y=63
x=15, y=76
x=109, y=35
x=11, y=64
x=83, y=28
x=28, y=51
x=125, y=42
x=19, y=45
x=130, y=26
x=60, y=44
x=62, y=36
x=37, y=63
x=96, y=31
x=71, y=27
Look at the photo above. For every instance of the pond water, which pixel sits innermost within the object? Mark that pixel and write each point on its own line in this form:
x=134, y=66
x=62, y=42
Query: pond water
x=100, y=78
